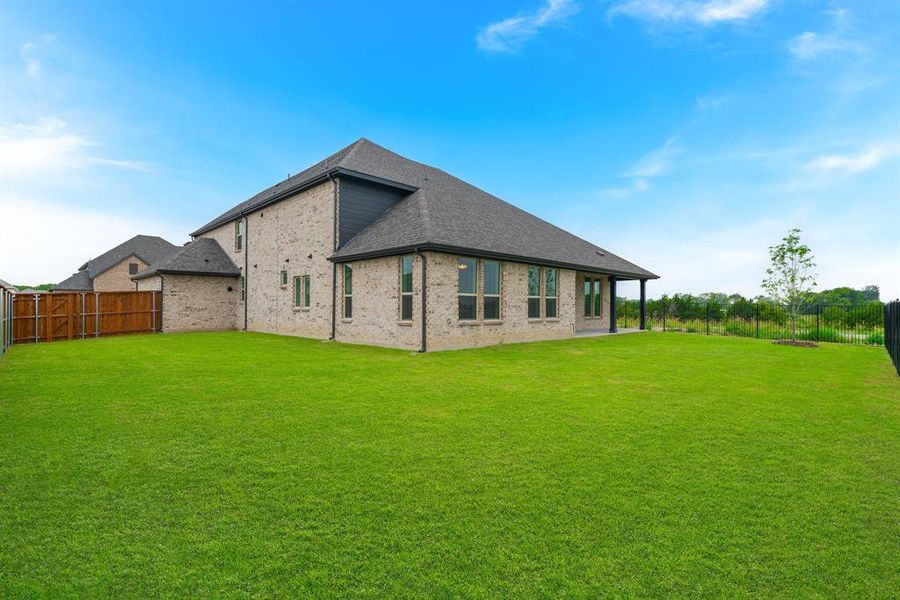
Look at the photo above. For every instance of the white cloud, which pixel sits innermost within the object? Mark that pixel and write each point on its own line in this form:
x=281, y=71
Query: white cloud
x=657, y=162
x=689, y=12
x=68, y=237
x=47, y=145
x=508, y=35
x=810, y=45
x=869, y=158
x=30, y=53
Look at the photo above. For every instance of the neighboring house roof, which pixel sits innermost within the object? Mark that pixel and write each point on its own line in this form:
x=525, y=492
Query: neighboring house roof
x=203, y=256
x=32, y=291
x=7, y=286
x=148, y=248
x=80, y=281
x=441, y=213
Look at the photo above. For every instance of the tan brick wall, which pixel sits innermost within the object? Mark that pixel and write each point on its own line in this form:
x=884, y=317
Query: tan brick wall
x=296, y=234
x=117, y=278
x=446, y=331
x=193, y=303
x=149, y=284
x=592, y=323
x=376, y=305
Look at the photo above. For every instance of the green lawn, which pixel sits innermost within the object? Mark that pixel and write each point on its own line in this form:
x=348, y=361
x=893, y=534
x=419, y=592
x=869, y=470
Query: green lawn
x=231, y=464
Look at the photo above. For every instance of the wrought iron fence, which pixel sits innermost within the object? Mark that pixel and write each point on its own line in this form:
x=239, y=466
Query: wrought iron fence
x=892, y=331
x=859, y=325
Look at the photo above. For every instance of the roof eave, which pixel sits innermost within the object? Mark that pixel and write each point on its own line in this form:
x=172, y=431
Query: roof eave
x=178, y=272
x=448, y=249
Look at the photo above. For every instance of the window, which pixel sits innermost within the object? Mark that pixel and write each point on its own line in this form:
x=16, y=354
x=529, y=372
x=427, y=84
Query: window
x=238, y=235
x=406, y=288
x=284, y=278
x=348, y=291
x=243, y=289
x=490, y=270
x=534, y=292
x=307, y=294
x=301, y=291
x=132, y=268
x=467, y=288
x=593, y=301
x=587, y=299
x=550, y=280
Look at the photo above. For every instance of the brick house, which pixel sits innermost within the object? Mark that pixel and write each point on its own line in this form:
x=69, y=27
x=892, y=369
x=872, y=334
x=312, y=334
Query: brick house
x=363, y=245
x=112, y=270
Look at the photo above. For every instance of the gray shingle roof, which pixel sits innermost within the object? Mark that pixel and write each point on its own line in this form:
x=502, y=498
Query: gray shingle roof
x=203, y=256
x=444, y=213
x=6, y=286
x=79, y=281
x=149, y=248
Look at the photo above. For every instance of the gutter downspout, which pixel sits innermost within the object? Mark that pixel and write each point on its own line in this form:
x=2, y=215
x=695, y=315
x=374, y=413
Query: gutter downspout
x=424, y=346
x=334, y=233
x=246, y=289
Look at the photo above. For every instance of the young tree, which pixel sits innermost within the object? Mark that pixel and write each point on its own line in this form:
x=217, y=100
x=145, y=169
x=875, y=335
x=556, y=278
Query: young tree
x=790, y=279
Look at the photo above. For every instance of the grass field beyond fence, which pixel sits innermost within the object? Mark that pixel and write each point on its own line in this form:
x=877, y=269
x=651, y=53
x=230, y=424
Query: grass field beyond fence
x=234, y=464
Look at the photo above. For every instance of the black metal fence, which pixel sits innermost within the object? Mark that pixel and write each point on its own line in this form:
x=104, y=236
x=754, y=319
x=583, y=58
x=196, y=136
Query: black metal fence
x=892, y=331
x=862, y=325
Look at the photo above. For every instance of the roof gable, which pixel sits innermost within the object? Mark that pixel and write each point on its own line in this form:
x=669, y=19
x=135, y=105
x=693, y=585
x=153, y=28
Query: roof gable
x=203, y=256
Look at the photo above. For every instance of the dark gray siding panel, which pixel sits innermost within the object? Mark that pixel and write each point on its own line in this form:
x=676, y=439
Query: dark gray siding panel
x=360, y=204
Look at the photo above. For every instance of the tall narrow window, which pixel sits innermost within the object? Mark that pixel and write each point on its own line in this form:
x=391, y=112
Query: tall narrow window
x=307, y=293
x=238, y=235
x=132, y=268
x=298, y=292
x=348, y=291
x=550, y=286
x=588, y=303
x=243, y=288
x=491, y=274
x=406, y=288
x=598, y=299
x=467, y=288
x=284, y=277
x=534, y=292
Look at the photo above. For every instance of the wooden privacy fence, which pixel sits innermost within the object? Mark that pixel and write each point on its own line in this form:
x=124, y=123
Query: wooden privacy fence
x=71, y=315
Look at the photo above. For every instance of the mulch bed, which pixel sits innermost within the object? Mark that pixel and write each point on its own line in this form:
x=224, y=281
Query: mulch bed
x=798, y=343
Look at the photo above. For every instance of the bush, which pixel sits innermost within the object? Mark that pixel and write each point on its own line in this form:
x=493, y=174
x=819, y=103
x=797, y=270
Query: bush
x=825, y=334
x=740, y=329
x=876, y=339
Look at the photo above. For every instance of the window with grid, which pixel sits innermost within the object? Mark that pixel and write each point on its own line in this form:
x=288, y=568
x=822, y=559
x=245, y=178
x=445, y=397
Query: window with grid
x=406, y=288
x=490, y=270
x=467, y=288
x=238, y=235
x=550, y=293
x=348, y=291
x=534, y=292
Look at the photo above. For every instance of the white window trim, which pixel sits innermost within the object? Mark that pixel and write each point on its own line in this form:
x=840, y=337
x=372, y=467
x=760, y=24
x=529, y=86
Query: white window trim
x=540, y=294
x=409, y=293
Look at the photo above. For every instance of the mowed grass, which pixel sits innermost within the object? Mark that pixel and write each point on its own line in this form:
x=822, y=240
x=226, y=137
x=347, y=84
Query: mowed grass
x=233, y=464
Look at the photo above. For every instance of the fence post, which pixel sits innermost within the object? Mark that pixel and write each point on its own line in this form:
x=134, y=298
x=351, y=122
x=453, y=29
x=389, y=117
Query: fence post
x=757, y=319
x=662, y=303
x=707, y=318
x=82, y=315
x=96, y=314
x=818, y=310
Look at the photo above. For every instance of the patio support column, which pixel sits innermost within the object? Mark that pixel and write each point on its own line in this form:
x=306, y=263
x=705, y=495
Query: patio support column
x=612, y=304
x=643, y=304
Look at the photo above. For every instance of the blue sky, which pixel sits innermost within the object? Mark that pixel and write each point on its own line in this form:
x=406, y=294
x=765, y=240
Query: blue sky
x=686, y=136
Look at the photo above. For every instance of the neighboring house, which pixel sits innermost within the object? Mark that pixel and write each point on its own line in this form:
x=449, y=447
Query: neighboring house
x=112, y=270
x=362, y=245
x=8, y=287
